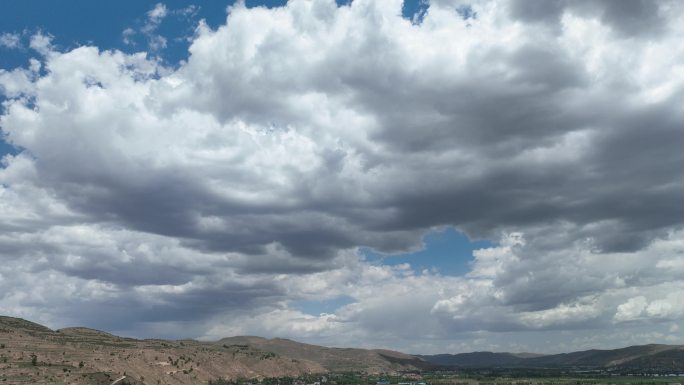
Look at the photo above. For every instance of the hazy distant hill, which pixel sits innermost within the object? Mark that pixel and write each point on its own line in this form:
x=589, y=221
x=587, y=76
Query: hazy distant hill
x=476, y=359
x=647, y=356
x=333, y=359
x=633, y=356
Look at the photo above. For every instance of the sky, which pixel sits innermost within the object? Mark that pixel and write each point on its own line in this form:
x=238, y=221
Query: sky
x=438, y=176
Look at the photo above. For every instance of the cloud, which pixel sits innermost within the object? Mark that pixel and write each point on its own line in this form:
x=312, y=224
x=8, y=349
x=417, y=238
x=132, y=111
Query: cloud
x=148, y=28
x=638, y=308
x=127, y=36
x=10, y=40
x=627, y=19
x=247, y=178
x=41, y=43
x=158, y=13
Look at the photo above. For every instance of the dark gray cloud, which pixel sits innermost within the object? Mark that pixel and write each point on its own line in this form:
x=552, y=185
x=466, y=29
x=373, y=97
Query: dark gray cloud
x=538, y=10
x=628, y=18
x=634, y=17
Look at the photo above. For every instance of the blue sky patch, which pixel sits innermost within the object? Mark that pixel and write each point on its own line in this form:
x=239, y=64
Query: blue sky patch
x=81, y=22
x=5, y=149
x=415, y=10
x=448, y=251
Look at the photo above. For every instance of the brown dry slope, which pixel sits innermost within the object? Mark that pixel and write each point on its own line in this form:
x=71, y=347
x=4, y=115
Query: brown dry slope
x=333, y=359
x=34, y=354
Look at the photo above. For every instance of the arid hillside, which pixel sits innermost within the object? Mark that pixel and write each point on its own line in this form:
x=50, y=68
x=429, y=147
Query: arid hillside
x=34, y=354
x=334, y=359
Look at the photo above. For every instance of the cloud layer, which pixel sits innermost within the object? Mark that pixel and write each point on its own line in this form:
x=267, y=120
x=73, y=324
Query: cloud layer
x=209, y=197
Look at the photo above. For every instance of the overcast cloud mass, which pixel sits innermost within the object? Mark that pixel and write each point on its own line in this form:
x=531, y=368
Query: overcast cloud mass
x=208, y=198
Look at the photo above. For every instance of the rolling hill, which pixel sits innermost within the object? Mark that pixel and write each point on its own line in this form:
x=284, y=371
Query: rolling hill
x=34, y=354
x=475, y=360
x=333, y=359
x=656, y=357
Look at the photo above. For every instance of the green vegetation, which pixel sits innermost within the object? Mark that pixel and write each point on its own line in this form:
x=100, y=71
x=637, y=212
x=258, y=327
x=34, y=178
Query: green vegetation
x=469, y=377
x=221, y=381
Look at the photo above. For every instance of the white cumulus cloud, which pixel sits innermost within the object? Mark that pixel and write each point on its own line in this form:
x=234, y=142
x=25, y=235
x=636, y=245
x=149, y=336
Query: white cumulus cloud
x=221, y=192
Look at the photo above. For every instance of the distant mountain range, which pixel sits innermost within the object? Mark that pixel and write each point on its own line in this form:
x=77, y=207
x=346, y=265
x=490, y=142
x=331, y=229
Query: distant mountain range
x=660, y=357
x=32, y=353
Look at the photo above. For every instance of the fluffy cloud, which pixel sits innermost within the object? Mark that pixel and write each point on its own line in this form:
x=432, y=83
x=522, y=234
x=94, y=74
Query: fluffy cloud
x=10, y=40
x=41, y=43
x=217, y=193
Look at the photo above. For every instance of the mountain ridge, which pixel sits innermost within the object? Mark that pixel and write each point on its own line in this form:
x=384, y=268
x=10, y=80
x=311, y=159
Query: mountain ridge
x=80, y=356
x=33, y=353
x=638, y=356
